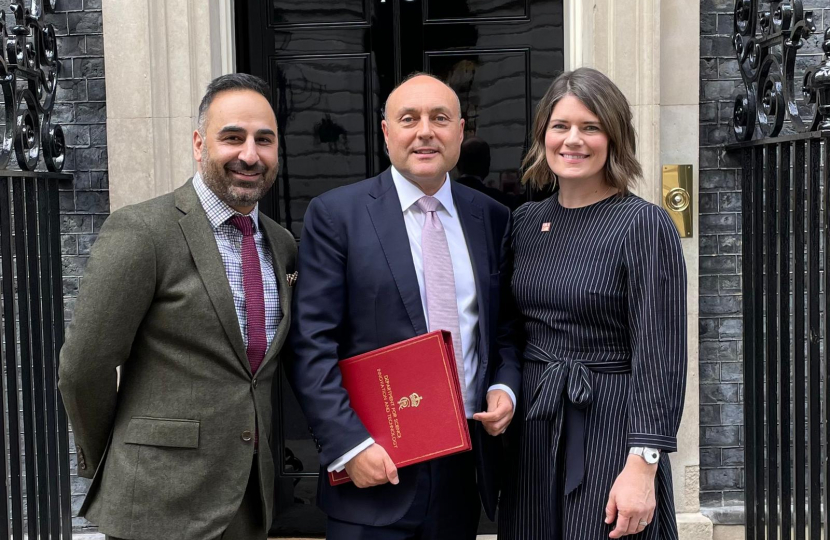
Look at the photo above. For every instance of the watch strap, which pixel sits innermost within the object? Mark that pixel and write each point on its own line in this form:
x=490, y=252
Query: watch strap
x=650, y=455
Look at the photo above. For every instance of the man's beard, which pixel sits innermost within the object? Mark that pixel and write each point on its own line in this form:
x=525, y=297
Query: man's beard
x=220, y=181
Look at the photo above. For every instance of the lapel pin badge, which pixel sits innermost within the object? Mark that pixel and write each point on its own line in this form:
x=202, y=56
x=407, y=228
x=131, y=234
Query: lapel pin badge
x=292, y=279
x=546, y=227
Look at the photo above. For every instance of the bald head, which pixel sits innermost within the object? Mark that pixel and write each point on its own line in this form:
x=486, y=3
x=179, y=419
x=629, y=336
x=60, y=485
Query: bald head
x=419, y=77
x=423, y=129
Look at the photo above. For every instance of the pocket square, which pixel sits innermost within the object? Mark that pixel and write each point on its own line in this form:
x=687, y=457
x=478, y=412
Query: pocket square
x=291, y=278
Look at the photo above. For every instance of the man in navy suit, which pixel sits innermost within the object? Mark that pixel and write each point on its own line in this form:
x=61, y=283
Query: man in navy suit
x=364, y=284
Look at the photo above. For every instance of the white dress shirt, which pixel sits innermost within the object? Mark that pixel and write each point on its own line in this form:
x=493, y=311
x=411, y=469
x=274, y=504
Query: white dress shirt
x=465, y=286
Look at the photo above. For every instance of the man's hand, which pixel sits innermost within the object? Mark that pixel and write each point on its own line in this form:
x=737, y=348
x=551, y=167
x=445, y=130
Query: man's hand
x=499, y=412
x=632, y=501
x=372, y=467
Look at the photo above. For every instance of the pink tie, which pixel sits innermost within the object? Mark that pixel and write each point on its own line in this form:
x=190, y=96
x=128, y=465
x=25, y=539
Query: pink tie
x=254, y=294
x=442, y=305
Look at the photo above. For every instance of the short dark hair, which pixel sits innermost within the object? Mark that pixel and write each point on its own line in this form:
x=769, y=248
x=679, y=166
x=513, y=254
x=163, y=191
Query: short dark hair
x=227, y=83
x=474, y=158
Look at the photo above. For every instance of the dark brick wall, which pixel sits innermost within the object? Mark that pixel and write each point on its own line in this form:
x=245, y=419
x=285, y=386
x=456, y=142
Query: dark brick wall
x=721, y=453
x=721, y=388
x=81, y=109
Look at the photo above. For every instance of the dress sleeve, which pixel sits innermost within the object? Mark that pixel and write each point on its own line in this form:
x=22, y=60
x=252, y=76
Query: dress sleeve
x=519, y=222
x=657, y=322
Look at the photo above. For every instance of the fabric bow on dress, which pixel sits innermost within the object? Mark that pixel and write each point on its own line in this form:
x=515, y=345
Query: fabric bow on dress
x=568, y=381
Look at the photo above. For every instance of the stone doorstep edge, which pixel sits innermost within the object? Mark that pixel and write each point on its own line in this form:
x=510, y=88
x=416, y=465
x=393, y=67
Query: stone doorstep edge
x=98, y=536
x=725, y=515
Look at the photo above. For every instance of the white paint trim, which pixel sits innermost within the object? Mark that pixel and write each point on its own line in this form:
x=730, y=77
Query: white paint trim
x=574, y=33
x=610, y=36
x=224, y=48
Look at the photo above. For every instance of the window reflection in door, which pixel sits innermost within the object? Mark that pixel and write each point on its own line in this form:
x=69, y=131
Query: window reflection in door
x=494, y=103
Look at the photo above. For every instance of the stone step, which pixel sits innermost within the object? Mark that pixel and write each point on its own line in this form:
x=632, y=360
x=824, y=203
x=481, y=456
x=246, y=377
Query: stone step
x=97, y=536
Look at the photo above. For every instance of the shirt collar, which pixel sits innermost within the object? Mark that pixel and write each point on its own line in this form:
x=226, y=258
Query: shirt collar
x=217, y=210
x=409, y=193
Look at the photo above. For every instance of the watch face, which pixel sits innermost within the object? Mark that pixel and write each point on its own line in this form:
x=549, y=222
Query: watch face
x=651, y=456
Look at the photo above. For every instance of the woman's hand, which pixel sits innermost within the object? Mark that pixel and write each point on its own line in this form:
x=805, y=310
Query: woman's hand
x=632, y=500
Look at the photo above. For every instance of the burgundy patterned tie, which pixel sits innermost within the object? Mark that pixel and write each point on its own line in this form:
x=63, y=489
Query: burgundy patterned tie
x=254, y=293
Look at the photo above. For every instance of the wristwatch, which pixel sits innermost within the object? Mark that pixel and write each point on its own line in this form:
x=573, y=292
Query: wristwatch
x=651, y=455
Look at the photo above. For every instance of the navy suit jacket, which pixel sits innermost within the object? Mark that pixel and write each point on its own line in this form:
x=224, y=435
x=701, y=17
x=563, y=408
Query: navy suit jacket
x=357, y=291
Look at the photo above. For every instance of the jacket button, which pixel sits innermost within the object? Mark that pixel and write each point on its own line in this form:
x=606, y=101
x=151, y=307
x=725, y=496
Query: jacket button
x=255, y=383
x=246, y=436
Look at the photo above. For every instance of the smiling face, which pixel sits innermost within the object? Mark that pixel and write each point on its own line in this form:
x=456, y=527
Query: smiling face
x=576, y=147
x=237, y=154
x=423, y=129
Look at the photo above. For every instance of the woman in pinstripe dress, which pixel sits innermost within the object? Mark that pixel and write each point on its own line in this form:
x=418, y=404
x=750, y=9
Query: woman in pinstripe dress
x=600, y=284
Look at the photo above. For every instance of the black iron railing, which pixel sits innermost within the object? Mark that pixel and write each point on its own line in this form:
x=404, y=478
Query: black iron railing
x=783, y=181
x=32, y=330
x=34, y=462
x=786, y=218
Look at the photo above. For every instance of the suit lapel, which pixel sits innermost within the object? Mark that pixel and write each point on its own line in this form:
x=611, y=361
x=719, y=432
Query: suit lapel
x=387, y=218
x=471, y=216
x=202, y=243
x=279, y=253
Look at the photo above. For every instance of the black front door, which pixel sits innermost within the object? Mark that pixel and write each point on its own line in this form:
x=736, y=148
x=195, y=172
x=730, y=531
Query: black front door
x=331, y=66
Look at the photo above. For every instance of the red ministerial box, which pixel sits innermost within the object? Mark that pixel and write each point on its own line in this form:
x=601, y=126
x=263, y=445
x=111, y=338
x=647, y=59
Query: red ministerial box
x=408, y=396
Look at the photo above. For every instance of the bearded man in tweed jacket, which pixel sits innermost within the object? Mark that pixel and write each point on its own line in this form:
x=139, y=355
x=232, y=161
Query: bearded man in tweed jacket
x=189, y=294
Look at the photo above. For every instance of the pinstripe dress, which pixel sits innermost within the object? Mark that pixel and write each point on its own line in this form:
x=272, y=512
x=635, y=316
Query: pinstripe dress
x=602, y=300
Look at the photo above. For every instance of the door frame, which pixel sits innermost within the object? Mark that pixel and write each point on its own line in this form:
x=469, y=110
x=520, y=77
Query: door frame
x=178, y=46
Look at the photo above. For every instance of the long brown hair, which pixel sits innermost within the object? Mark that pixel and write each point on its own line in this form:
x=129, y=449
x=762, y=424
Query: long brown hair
x=608, y=103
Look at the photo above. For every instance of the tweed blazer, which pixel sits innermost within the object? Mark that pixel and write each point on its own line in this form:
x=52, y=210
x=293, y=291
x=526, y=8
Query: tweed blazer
x=169, y=446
